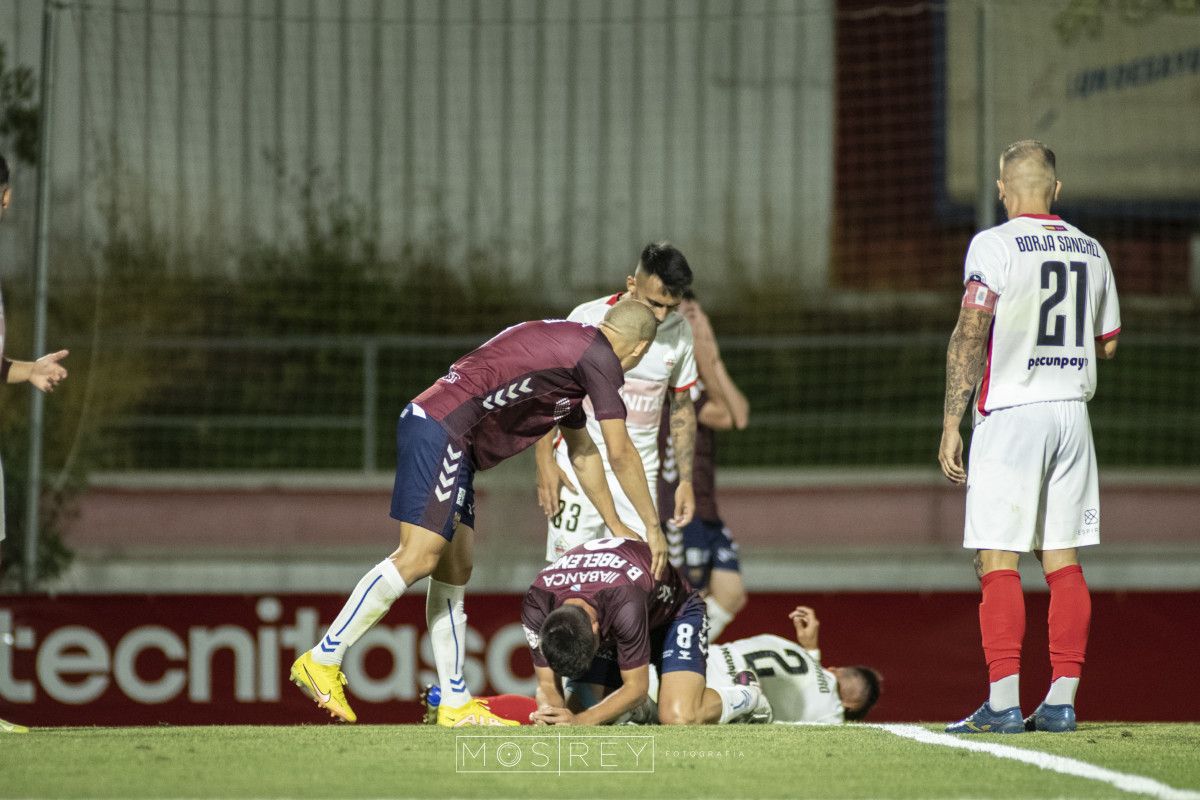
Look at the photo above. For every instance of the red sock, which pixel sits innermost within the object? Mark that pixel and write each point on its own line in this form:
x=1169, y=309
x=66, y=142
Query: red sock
x=1002, y=622
x=512, y=706
x=1069, y=620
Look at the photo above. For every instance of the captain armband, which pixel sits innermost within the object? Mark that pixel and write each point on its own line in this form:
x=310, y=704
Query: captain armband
x=978, y=295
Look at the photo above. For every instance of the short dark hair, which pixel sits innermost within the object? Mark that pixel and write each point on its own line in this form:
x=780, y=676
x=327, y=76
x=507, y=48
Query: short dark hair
x=664, y=260
x=4, y=176
x=567, y=641
x=872, y=679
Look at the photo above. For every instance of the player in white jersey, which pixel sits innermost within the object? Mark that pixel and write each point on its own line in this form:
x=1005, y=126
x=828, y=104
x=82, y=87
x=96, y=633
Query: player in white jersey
x=1040, y=307
x=665, y=375
x=789, y=672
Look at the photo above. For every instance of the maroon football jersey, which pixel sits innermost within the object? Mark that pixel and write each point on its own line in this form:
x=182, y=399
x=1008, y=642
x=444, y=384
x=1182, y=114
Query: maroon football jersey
x=613, y=576
x=704, y=484
x=504, y=396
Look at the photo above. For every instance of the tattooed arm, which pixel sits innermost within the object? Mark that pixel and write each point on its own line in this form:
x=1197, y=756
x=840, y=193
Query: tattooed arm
x=683, y=439
x=964, y=367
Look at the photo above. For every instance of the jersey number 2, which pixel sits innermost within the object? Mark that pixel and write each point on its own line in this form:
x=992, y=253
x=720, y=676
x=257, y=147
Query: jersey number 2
x=1057, y=335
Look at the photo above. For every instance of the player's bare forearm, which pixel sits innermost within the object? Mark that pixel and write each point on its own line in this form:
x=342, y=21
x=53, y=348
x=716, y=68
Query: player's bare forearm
x=739, y=406
x=543, y=451
x=45, y=373
x=589, y=469
x=626, y=464
x=715, y=414
x=550, y=478
x=683, y=432
x=631, y=694
x=631, y=475
x=549, y=692
x=964, y=362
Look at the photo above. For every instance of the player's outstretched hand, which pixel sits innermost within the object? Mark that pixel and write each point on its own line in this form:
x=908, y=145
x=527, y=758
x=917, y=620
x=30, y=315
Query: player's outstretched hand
x=685, y=505
x=550, y=715
x=550, y=483
x=47, y=372
x=808, y=627
x=950, y=456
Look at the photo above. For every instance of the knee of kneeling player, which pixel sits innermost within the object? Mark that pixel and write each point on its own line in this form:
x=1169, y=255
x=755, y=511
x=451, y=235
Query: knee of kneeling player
x=677, y=714
x=413, y=565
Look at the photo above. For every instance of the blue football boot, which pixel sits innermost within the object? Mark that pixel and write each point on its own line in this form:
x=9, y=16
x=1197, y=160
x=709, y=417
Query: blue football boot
x=1051, y=719
x=985, y=720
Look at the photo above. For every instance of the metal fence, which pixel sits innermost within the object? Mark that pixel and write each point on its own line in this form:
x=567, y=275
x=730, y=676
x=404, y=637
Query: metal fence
x=317, y=403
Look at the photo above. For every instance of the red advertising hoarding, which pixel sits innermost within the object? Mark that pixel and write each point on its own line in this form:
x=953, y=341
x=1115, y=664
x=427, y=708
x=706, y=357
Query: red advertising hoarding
x=209, y=659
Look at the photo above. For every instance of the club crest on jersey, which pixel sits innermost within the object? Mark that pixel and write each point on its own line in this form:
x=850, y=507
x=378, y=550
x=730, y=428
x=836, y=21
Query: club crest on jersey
x=669, y=360
x=561, y=409
x=532, y=637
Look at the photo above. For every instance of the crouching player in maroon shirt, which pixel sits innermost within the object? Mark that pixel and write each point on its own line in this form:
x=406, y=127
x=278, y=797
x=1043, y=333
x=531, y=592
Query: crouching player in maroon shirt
x=494, y=402
x=598, y=616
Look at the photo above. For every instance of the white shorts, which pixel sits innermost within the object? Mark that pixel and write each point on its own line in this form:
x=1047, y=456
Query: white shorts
x=1031, y=480
x=578, y=521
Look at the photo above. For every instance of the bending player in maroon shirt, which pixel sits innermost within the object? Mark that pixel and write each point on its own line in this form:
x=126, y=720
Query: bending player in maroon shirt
x=599, y=617
x=493, y=403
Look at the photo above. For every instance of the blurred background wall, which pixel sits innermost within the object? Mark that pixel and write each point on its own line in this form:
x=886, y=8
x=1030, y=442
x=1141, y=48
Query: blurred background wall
x=273, y=223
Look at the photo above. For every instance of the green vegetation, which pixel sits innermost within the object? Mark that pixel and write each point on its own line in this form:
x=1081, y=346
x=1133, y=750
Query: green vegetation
x=726, y=762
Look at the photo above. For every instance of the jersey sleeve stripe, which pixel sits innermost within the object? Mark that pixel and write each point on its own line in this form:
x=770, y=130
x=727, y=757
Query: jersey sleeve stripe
x=1105, y=337
x=684, y=388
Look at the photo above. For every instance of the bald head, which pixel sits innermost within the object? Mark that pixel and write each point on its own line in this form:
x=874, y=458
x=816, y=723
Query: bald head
x=1028, y=183
x=630, y=327
x=632, y=321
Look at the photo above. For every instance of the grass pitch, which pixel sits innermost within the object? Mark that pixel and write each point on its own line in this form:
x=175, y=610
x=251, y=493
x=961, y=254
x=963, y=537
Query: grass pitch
x=725, y=762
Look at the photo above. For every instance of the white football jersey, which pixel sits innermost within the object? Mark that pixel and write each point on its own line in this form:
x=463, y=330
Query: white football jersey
x=668, y=366
x=797, y=686
x=1056, y=297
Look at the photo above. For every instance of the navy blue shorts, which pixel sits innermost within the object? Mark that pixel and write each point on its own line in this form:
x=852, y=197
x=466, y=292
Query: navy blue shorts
x=434, y=476
x=681, y=645
x=705, y=545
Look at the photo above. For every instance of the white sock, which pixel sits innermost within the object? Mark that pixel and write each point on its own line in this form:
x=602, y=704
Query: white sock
x=369, y=601
x=447, y=621
x=718, y=618
x=736, y=701
x=1005, y=693
x=1062, y=692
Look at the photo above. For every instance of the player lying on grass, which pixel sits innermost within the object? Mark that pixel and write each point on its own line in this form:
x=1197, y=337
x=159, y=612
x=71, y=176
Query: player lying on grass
x=791, y=676
x=789, y=673
x=494, y=402
x=598, y=616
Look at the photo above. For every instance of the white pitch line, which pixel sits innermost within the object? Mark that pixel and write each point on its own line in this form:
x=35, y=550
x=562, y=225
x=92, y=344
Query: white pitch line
x=1137, y=784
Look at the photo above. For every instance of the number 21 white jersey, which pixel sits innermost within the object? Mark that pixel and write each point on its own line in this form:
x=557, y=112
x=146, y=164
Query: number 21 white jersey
x=1057, y=296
